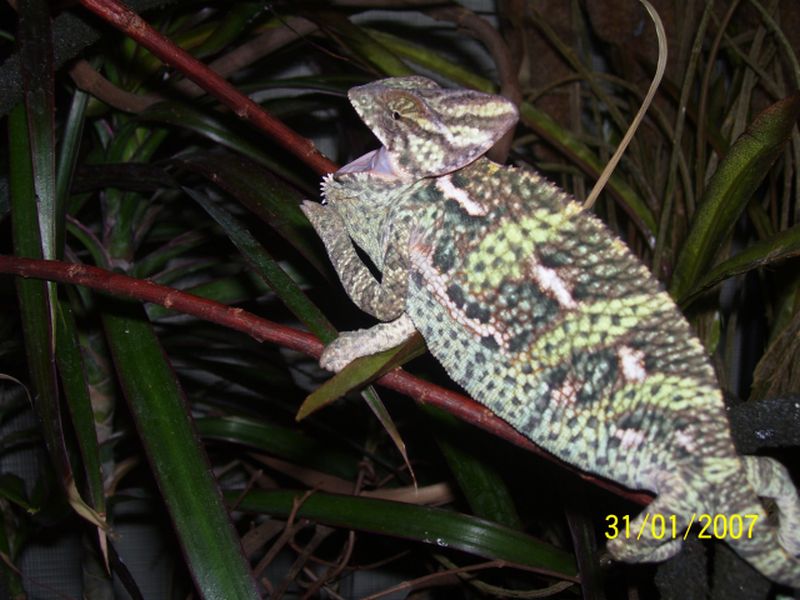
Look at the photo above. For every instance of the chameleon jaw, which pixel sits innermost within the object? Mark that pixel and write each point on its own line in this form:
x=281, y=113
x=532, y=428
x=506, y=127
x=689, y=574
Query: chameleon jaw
x=378, y=163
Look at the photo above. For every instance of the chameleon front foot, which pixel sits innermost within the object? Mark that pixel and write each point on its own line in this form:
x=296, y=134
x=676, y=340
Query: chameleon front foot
x=363, y=342
x=344, y=349
x=328, y=224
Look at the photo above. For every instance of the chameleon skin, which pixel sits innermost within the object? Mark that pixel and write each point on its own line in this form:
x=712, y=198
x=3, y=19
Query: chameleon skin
x=541, y=314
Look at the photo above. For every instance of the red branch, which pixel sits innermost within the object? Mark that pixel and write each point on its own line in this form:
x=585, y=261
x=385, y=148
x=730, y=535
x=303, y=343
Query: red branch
x=127, y=21
x=263, y=330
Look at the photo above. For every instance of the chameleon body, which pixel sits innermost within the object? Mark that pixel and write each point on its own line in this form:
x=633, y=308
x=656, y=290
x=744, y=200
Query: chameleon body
x=541, y=314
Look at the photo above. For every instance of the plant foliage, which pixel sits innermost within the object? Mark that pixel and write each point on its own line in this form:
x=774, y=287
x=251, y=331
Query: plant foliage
x=156, y=179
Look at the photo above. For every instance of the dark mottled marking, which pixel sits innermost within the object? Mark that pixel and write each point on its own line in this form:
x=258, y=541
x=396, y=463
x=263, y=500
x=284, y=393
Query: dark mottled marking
x=553, y=258
x=489, y=342
x=444, y=258
x=456, y=294
x=478, y=312
x=598, y=370
x=519, y=342
x=632, y=420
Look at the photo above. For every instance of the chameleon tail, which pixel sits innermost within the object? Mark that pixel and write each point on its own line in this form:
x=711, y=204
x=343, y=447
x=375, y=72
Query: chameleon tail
x=770, y=479
x=768, y=548
x=726, y=489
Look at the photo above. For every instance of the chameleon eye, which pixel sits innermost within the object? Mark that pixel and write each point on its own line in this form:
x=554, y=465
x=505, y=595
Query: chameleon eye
x=396, y=115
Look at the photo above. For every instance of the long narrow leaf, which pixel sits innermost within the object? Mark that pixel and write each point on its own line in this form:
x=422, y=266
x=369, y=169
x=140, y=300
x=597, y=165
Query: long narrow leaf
x=358, y=373
x=282, y=442
x=209, y=542
x=266, y=266
x=33, y=201
x=217, y=131
x=271, y=200
x=36, y=51
x=434, y=526
x=361, y=44
x=76, y=393
x=68, y=160
x=730, y=189
x=484, y=489
x=34, y=300
x=779, y=247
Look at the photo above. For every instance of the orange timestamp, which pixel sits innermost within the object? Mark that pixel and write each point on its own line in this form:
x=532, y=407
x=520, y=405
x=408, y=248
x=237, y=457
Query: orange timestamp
x=665, y=527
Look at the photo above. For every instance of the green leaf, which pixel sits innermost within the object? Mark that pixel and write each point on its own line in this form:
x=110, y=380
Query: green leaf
x=361, y=44
x=358, y=373
x=435, y=526
x=76, y=393
x=485, y=491
x=282, y=442
x=730, y=189
x=209, y=542
x=234, y=22
x=227, y=290
x=390, y=427
x=255, y=254
x=33, y=205
x=778, y=247
x=68, y=160
x=263, y=194
x=36, y=62
x=12, y=488
x=34, y=299
x=217, y=131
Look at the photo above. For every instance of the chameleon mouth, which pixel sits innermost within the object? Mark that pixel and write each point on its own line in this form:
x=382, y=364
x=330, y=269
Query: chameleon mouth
x=377, y=163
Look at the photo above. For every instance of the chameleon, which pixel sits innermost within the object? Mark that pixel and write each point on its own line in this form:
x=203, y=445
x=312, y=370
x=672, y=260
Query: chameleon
x=541, y=314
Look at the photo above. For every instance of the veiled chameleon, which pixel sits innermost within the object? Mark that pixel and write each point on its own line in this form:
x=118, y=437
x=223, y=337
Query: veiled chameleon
x=540, y=313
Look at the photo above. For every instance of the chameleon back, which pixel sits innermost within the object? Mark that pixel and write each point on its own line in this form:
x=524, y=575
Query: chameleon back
x=547, y=319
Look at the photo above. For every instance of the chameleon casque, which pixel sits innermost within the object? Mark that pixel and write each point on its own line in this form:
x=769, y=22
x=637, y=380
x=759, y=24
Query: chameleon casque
x=540, y=313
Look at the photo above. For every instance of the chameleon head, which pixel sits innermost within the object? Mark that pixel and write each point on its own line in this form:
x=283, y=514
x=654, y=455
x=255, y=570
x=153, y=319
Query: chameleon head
x=428, y=130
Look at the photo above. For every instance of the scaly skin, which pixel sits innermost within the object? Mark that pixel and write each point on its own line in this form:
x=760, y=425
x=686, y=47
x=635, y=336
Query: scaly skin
x=541, y=314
